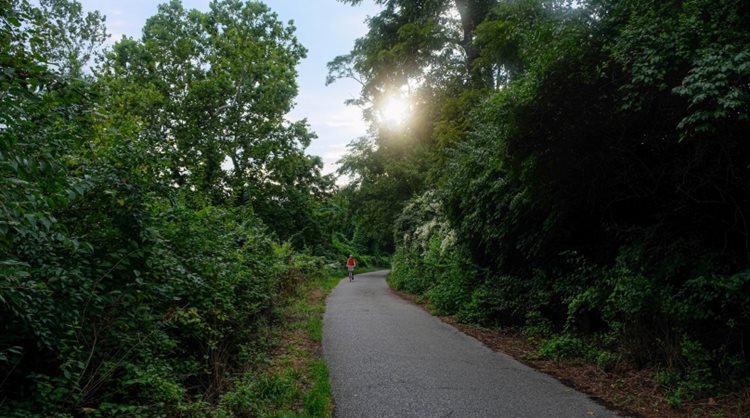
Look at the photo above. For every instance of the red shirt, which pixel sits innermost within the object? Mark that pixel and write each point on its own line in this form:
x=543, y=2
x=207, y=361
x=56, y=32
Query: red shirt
x=351, y=262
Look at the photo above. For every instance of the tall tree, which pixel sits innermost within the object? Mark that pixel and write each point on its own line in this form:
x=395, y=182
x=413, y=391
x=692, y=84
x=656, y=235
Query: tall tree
x=213, y=90
x=421, y=52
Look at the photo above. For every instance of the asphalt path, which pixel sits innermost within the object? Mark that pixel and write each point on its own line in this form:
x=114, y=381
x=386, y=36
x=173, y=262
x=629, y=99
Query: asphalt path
x=390, y=358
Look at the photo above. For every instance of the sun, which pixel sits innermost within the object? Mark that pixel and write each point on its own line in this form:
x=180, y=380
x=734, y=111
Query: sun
x=393, y=111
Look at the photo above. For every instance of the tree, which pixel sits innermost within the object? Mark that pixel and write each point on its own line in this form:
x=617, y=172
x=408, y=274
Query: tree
x=421, y=51
x=212, y=90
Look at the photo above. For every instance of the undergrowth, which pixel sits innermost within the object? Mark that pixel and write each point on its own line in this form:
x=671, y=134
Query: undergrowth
x=295, y=381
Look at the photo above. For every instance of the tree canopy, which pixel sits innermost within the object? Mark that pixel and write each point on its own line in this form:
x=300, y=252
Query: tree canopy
x=211, y=91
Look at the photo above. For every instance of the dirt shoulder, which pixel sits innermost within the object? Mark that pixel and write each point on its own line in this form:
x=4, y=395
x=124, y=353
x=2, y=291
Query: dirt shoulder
x=636, y=393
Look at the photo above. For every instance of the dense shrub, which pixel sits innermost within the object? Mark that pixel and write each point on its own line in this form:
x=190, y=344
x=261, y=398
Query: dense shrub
x=598, y=189
x=427, y=259
x=125, y=290
x=154, y=307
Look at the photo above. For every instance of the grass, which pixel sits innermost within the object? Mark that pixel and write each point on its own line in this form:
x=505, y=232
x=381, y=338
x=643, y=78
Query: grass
x=309, y=309
x=294, y=381
x=318, y=401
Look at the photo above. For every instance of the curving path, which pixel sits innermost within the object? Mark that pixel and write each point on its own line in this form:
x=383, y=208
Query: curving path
x=389, y=358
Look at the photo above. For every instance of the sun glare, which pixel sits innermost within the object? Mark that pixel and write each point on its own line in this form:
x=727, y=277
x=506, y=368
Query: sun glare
x=393, y=112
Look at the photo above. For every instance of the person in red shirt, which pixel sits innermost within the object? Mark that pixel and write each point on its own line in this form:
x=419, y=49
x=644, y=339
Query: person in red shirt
x=350, y=264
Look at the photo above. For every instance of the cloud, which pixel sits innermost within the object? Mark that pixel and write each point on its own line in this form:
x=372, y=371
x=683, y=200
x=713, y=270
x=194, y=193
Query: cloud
x=335, y=123
x=347, y=117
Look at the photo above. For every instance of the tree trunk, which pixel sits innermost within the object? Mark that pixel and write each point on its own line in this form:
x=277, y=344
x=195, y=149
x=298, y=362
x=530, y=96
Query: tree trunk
x=473, y=12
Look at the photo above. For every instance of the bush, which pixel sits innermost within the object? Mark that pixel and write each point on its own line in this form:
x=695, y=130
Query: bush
x=563, y=347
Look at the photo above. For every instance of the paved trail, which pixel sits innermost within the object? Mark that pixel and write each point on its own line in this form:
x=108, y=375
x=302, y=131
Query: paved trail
x=389, y=358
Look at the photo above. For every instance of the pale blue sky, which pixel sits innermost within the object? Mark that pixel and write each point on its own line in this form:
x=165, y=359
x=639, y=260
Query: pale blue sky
x=326, y=28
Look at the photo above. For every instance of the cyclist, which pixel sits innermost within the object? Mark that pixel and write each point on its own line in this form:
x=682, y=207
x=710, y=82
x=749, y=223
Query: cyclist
x=350, y=264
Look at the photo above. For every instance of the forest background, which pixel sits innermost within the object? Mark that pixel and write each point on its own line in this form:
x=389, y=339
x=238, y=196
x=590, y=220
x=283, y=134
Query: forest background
x=576, y=170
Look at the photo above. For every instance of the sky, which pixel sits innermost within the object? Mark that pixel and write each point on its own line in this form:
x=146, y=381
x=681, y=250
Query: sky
x=327, y=28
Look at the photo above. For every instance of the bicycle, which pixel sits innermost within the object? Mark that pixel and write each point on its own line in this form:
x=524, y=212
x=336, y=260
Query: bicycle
x=351, y=275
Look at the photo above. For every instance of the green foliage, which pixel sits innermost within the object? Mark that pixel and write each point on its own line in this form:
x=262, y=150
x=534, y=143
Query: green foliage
x=408, y=44
x=569, y=347
x=137, y=276
x=294, y=381
x=212, y=88
x=317, y=402
x=427, y=261
x=451, y=291
x=378, y=191
x=365, y=256
x=711, y=87
x=691, y=382
x=262, y=396
x=587, y=174
x=563, y=347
